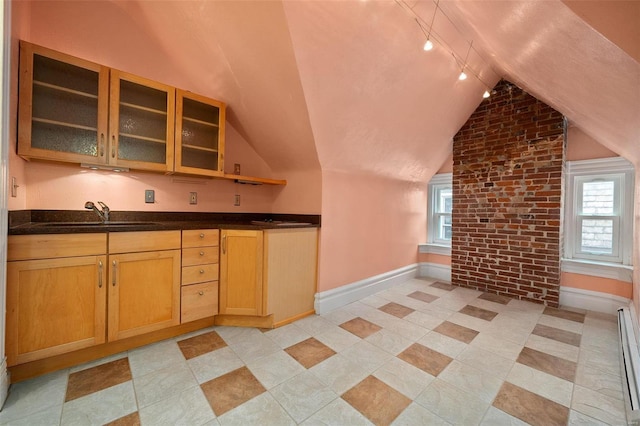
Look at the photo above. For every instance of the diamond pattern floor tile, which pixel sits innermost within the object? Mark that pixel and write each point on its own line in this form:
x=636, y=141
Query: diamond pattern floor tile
x=231, y=390
x=201, y=344
x=310, y=352
x=361, y=327
x=376, y=400
x=95, y=379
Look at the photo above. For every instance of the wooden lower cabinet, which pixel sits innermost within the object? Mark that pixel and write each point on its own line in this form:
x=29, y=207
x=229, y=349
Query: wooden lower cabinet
x=54, y=306
x=267, y=278
x=241, y=253
x=144, y=282
x=144, y=292
x=56, y=295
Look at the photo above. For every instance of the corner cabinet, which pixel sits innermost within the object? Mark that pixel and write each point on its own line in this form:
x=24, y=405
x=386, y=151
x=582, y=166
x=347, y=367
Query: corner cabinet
x=199, y=135
x=267, y=278
x=73, y=110
x=56, y=294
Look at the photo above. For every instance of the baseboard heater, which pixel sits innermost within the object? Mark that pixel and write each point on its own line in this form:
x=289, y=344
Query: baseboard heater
x=629, y=366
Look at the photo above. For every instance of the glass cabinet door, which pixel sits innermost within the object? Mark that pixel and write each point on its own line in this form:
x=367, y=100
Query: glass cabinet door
x=141, y=123
x=62, y=106
x=199, y=134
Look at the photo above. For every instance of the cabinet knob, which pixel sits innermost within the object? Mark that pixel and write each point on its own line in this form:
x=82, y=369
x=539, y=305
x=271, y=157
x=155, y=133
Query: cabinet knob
x=201, y=293
x=201, y=253
x=201, y=235
x=202, y=271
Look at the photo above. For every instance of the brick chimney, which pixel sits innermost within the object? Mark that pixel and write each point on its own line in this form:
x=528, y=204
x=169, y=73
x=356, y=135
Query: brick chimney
x=508, y=162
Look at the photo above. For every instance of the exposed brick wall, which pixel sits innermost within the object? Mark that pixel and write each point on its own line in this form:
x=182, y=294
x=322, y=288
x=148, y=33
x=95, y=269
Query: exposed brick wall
x=508, y=161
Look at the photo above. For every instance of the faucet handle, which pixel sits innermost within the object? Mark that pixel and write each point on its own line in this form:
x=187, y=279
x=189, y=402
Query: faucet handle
x=104, y=206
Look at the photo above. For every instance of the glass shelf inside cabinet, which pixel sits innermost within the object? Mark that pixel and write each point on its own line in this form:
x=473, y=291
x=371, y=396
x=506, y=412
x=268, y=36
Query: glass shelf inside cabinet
x=200, y=135
x=64, y=107
x=142, y=123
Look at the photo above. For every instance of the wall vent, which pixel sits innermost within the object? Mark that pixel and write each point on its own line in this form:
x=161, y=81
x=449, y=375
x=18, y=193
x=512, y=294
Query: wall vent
x=629, y=366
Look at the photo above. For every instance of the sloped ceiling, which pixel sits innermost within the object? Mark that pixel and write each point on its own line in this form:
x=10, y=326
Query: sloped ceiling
x=345, y=86
x=551, y=49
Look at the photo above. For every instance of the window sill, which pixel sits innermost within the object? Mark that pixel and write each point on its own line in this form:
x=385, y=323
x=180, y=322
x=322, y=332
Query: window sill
x=432, y=248
x=598, y=269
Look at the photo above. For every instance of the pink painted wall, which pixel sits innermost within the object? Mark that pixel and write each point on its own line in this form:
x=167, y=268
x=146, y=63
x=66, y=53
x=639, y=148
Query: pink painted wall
x=581, y=146
x=370, y=225
x=440, y=259
x=70, y=28
x=602, y=285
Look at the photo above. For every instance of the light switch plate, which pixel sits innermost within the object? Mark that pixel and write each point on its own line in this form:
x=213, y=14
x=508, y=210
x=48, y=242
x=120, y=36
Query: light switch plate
x=236, y=202
x=149, y=196
x=193, y=198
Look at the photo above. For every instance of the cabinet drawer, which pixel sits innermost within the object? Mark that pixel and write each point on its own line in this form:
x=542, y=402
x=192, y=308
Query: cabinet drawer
x=131, y=242
x=199, y=273
x=24, y=247
x=199, y=301
x=200, y=237
x=198, y=256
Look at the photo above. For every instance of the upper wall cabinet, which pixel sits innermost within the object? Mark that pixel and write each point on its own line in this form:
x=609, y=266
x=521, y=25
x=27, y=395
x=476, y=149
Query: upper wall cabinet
x=141, y=123
x=199, y=134
x=63, y=108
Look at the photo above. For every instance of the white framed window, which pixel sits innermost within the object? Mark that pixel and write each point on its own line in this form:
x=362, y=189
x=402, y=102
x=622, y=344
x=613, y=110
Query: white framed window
x=439, y=209
x=599, y=211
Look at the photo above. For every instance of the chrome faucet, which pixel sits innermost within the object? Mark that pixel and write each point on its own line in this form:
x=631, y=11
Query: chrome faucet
x=104, y=213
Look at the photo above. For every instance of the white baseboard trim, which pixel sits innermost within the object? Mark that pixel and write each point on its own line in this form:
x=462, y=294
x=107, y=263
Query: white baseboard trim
x=4, y=382
x=435, y=270
x=341, y=296
x=592, y=300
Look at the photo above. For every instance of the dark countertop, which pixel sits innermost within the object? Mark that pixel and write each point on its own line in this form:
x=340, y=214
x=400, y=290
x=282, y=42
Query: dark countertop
x=25, y=222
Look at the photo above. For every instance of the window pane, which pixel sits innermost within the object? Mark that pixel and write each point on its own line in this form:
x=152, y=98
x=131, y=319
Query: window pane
x=444, y=200
x=444, y=227
x=597, y=236
x=597, y=198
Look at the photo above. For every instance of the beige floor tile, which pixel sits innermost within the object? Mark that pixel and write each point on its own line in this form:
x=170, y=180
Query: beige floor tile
x=443, y=344
x=497, y=345
x=340, y=373
x=446, y=400
x=160, y=384
x=274, y=369
x=424, y=320
x=415, y=414
x=389, y=341
x=186, y=408
x=261, y=410
x=287, y=335
x=599, y=380
x=482, y=385
x=561, y=323
x=214, y=364
x=303, y=395
x=337, y=338
x=404, y=377
x=337, y=412
x=486, y=361
x=100, y=407
x=598, y=406
x=541, y=383
x=34, y=396
x=369, y=356
x=132, y=419
x=496, y=417
x=553, y=347
x=154, y=357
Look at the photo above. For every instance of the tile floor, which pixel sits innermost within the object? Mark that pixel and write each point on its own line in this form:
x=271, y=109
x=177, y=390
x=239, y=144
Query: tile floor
x=422, y=353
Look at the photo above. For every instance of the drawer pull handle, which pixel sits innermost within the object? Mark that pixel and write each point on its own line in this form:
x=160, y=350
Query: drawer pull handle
x=202, y=271
x=115, y=273
x=201, y=235
x=113, y=146
x=100, y=274
x=201, y=253
x=201, y=293
x=224, y=244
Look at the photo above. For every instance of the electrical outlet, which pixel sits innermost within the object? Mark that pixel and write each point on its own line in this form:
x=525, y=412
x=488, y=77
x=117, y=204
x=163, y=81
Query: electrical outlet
x=236, y=202
x=193, y=198
x=236, y=169
x=149, y=196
